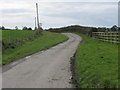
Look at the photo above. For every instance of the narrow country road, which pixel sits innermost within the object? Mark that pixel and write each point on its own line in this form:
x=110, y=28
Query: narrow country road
x=46, y=69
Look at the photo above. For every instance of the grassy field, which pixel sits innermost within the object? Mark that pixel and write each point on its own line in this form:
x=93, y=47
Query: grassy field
x=15, y=38
x=16, y=34
x=96, y=64
x=30, y=46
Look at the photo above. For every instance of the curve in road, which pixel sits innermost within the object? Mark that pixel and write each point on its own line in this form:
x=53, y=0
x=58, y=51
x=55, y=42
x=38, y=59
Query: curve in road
x=45, y=69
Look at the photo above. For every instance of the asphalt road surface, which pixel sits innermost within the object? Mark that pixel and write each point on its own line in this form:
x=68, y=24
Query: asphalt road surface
x=45, y=69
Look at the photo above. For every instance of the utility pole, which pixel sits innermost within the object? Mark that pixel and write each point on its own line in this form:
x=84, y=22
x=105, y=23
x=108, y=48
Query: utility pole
x=37, y=16
x=35, y=24
x=39, y=29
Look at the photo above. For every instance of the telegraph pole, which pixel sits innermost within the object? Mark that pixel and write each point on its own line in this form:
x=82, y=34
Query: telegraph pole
x=39, y=29
x=37, y=16
x=35, y=24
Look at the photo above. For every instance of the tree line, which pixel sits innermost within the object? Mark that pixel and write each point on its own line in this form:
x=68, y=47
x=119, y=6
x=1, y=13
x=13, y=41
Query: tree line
x=16, y=28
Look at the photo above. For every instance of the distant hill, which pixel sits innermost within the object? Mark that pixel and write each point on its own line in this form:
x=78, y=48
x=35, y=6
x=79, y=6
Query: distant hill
x=83, y=29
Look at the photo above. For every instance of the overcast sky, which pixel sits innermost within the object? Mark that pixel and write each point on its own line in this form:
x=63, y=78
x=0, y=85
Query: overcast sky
x=58, y=13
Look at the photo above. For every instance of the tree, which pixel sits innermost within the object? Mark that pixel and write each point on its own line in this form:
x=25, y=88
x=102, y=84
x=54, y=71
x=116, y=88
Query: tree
x=118, y=29
x=114, y=28
x=16, y=27
x=3, y=28
x=24, y=28
x=29, y=28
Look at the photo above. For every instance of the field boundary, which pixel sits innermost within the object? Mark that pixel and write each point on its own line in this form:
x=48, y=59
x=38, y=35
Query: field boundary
x=112, y=37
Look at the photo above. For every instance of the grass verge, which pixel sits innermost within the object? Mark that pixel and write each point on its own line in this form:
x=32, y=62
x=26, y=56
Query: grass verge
x=45, y=41
x=96, y=64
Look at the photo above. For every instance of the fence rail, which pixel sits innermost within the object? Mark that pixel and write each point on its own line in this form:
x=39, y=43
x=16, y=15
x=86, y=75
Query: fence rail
x=113, y=37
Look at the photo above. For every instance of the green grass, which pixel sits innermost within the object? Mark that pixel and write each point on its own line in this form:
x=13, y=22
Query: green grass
x=16, y=34
x=45, y=41
x=15, y=38
x=96, y=64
